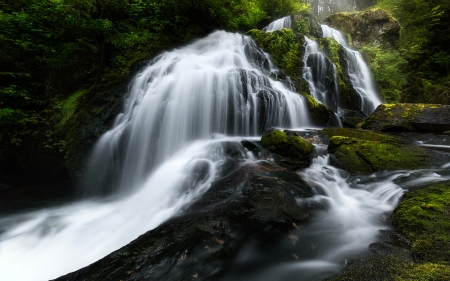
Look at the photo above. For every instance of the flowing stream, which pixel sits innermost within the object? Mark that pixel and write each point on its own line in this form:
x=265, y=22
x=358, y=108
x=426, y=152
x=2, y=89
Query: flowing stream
x=164, y=151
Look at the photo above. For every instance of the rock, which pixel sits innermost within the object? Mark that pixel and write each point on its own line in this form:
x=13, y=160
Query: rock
x=352, y=122
x=404, y=117
x=250, y=203
x=374, y=27
x=291, y=146
x=366, y=156
x=359, y=134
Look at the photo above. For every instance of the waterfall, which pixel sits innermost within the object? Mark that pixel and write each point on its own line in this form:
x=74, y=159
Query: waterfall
x=285, y=22
x=217, y=85
x=358, y=71
x=321, y=75
x=162, y=153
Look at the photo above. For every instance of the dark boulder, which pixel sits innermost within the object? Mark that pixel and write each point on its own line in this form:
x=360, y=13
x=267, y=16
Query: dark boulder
x=291, y=146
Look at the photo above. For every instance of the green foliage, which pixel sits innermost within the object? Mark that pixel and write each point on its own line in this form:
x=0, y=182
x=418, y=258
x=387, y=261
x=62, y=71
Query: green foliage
x=389, y=69
x=424, y=45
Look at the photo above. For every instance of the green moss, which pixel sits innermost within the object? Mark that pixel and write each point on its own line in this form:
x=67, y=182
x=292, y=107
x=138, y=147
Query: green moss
x=365, y=156
x=68, y=107
x=320, y=114
x=289, y=146
x=424, y=272
x=283, y=47
x=356, y=133
x=423, y=217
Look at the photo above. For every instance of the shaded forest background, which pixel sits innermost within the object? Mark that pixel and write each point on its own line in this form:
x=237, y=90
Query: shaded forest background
x=53, y=51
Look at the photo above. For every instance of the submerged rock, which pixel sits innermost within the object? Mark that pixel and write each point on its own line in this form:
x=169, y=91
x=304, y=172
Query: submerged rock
x=366, y=156
x=409, y=117
x=373, y=27
x=291, y=146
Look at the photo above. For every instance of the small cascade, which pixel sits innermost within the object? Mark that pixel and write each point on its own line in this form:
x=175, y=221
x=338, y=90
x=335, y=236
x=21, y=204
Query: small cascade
x=358, y=71
x=279, y=24
x=321, y=75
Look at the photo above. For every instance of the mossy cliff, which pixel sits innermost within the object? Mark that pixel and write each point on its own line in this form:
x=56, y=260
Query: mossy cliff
x=405, y=117
x=374, y=27
x=291, y=146
x=423, y=219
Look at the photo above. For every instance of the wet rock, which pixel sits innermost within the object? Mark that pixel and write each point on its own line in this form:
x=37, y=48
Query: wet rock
x=352, y=122
x=291, y=146
x=374, y=27
x=251, y=203
x=366, y=156
x=359, y=134
x=408, y=117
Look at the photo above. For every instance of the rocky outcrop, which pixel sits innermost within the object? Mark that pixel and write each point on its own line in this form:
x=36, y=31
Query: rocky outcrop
x=403, y=117
x=374, y=27
x=364, y=152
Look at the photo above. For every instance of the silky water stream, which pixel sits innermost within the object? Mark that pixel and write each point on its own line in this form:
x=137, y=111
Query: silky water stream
x=178, y=111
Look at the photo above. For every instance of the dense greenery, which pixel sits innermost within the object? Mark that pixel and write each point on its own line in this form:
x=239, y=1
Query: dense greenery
x=421, y=67
x=53, y=51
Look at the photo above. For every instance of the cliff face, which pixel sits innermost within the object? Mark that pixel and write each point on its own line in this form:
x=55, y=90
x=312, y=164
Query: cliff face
x=373, y=27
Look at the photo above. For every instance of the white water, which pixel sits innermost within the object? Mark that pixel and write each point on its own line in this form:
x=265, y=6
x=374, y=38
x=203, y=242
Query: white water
x=279, y=24
x=321, y=75
x=358, y=71
x=161, y=147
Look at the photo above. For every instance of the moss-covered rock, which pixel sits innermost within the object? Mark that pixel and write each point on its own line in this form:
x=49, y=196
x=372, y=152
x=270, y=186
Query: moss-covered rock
x=365, y=156
x=359, y=134
x=291, y=146
x=374, y=27
x=423, y=217
x=404, y=117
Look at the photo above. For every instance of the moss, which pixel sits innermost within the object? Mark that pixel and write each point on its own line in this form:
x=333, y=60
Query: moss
x=320, y=114
x=284, y=48
x=363, y=156
x=359, y=134
x=289, y=146
x=424, y=272
x=423, y=217
x=68, y=107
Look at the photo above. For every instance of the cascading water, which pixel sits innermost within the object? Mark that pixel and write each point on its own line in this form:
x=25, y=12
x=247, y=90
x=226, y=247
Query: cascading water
x=279, y=24
x=217, y=85
x=321, y=75
x=358, y=71
x=162, y=148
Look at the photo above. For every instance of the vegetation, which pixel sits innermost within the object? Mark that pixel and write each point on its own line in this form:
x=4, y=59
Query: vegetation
x=53, y=49
x=425, y=77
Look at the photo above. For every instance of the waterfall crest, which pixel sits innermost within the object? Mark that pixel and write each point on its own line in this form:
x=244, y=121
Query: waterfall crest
x=285, y=22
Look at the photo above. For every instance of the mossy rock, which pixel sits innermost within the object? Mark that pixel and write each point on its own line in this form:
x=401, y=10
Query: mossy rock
x=409, y=117
x=359, y=134
x=365, y=156
x=423, y=217
x=373, y=27
x=291, y=146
